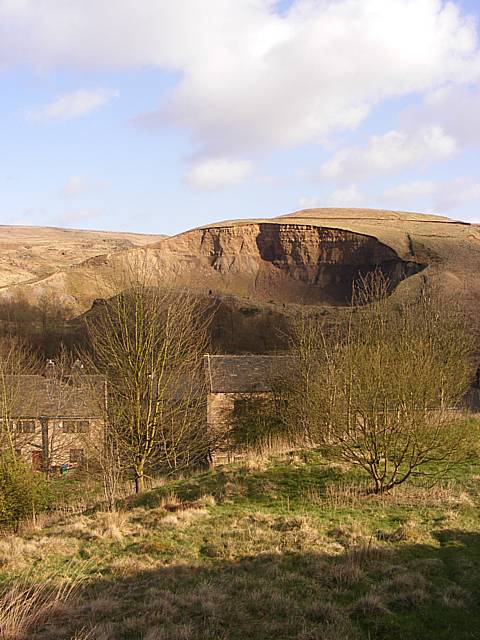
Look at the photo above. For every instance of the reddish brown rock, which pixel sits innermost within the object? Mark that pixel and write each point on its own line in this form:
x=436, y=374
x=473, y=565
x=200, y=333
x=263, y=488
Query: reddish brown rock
x=309, y=257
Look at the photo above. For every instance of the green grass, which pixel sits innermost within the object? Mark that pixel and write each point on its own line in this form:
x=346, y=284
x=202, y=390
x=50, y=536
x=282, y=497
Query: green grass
x=286, y=549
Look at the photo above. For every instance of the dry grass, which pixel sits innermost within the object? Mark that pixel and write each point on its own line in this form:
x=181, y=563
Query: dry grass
x=408, y=531
x=447, y=494
x=182, y=519
x=86, y=634
x=258, y=459
x=350, y=534
x=234, y=555
x=349, y=568
x=370, y=605
x=341, y=495
x=24, y=605
x=455, y=596
x=108, y=525
x=17, y=553
x=179, y=632
x=113, y=525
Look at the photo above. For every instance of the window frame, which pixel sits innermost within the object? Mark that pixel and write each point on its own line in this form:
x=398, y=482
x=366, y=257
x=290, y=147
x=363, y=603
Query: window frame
x=22, y=423
x=75, y=425
x=76, y=456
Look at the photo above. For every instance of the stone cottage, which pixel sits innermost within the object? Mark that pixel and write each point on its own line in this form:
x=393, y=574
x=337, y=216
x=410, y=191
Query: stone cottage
x=52, y=419
x=232, y=381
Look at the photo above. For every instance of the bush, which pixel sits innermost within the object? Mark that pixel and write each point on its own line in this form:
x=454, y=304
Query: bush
x=256, y=422
x=23, y=492
x=381, y=392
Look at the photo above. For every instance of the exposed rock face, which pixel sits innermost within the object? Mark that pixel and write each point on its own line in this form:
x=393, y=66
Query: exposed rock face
x=329, y=261
x=311, y=257
x=289, y=262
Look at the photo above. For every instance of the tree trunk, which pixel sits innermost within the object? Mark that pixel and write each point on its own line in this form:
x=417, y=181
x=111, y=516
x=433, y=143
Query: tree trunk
x=139, y=481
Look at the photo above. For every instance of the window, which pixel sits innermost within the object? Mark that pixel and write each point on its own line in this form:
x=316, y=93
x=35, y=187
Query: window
x=68, y=426
x=26, y=426
x=82, y=426
x=75, y=426
x=76, y=455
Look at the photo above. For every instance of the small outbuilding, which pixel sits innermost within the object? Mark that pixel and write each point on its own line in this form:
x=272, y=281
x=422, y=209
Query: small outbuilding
x=233, y=381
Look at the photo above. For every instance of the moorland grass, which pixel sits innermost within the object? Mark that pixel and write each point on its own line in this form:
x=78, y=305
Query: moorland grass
x=288, y=548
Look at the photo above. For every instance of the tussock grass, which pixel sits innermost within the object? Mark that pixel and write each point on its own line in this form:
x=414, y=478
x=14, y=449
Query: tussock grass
x=290, y=548
x=17, y=553
x=24, y=605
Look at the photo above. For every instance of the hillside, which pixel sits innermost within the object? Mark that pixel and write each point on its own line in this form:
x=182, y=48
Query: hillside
x=285, y=548
x=307, y=257
x=32, y=253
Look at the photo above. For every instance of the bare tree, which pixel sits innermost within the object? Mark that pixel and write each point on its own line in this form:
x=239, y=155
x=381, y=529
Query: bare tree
x=149, y=342
x=16, y=362
x=102, y=449
x=380, y=391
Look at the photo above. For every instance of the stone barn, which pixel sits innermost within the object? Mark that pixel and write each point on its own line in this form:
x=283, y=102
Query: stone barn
x=233, y=383
x=236, y=382
x=52, y=419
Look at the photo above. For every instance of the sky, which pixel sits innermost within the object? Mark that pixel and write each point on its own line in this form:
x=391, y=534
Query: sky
x=158, y=116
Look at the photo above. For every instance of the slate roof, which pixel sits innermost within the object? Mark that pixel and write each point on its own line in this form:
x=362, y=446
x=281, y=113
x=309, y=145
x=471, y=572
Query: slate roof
x=242, y=374
x=35, y=395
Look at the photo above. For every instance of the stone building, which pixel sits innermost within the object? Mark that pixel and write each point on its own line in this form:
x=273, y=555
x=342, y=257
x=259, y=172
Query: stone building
x=51, y=419
x=232, y=382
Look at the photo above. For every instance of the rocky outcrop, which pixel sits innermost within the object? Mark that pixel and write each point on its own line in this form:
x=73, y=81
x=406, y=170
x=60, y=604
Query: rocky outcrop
x=329, y=261
x=311, y=257
x=282, y=262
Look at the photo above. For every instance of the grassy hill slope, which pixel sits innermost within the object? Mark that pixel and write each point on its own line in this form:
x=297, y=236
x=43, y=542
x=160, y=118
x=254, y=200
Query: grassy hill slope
x=35, y=252
x=308, y=257
x=278, y=549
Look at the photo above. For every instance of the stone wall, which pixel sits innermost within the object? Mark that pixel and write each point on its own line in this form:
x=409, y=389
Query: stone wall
x=53, y=440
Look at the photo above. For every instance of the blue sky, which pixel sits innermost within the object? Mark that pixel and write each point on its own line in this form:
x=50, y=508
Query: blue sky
x=160, y=116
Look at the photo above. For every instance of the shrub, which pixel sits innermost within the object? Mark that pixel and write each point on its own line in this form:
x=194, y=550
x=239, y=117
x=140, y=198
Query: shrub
x=256, y=422
x=380, y=392
x=23, y=492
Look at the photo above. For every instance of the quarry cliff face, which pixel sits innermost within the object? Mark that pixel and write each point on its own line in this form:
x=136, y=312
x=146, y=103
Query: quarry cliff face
x=309, y=257
x=282, y=262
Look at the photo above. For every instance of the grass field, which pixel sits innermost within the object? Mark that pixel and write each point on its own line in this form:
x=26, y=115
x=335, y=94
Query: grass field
x=278, y=549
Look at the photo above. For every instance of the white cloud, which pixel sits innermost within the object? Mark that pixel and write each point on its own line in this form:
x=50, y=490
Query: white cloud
x=348, y=197
x=78, y=218
x=78, y=186
x=442, y=196
x=40, y=217
x=73, y=105
x=455, y=108
x=248, y=76
x=393, y=151
x=309, y=202
x=214, y=173
x=456, y=194
x=411, y=192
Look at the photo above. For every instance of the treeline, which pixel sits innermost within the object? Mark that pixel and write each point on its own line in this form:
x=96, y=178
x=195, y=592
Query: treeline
x=236, y=325
x=379, y=389
x=45, y=326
